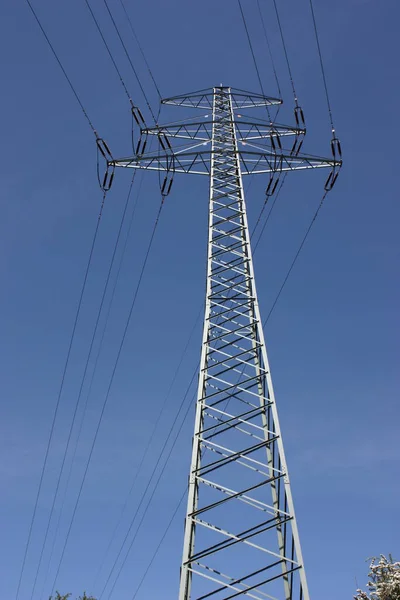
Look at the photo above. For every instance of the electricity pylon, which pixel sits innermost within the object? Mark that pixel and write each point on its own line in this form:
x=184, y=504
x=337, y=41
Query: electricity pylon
x=241, y=536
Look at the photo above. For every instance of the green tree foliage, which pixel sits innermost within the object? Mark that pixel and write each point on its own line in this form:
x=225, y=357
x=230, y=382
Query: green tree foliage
x=384, y=580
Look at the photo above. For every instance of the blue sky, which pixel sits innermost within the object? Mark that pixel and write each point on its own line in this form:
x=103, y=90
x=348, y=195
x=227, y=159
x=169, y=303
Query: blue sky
x=332, y=337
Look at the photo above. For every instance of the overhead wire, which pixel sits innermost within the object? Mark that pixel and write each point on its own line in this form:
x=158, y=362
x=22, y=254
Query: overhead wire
x=142, y=498
x=158, y=547
x=253, y=56
x=78, y=400
x=130, y=60
x=62, y=68
x=140, y=48
x=265, y=204
x=286, y=53
x=86, y=115
x=295, y=258
x=149, y=443
x=94, y=131
x=322, y=67
x=108, y=50
x=64, y=372
x=150, y=499
x=89, y=353
x=55, y=414
x=105, y=401
x=269, y=48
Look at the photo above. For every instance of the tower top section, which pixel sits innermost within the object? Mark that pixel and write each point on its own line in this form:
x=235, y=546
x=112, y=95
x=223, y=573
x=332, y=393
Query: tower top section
x=263, y=145
x=204, y=99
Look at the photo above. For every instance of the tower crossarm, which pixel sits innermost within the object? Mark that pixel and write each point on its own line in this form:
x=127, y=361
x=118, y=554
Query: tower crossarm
x=247, y=130
x=194, y=159
x=205, y=98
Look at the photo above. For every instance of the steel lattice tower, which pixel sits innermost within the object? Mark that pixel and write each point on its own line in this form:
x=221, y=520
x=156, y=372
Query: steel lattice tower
x=241, y=536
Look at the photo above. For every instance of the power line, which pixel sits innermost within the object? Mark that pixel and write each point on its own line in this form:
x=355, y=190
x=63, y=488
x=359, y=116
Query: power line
x=286, y=53
x=62, y=68
x=295, y=258
x=140, y=48
x=322, y=67
x=147, y=488
x=130, y=60
x=109, y=51
x=95, y=369
x=253, y=55
x=149, y=443
x=159, y=544
x=60, y=392
x=153, y=493
x=276, y=196
x=269, y=48
x=82, y=384
x=109, y=389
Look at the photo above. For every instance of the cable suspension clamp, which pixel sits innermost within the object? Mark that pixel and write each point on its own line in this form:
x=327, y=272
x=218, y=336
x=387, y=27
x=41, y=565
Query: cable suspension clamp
x=137, y=117
x=301, y=124
x=169, y=164
x=142, y=142
x=337, y=157
x=108, y=177
x=275, y=175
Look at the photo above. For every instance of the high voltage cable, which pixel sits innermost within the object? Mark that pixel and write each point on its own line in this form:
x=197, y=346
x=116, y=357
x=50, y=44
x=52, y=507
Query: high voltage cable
x=95, y=368
x=108, y=390
x=276, y=196
x=140, y=48
x=100, y=309
x=295, y=257
x=159, y=545
x=82, y=383
x=62, y=67
x=147, y=488
x=322, y=67
x=152, y=494
x=108, y=50
x=253, y=55
x=269, y=48
x=149, y=443
x=130, y=60
x=286, y=53
x=60, y=392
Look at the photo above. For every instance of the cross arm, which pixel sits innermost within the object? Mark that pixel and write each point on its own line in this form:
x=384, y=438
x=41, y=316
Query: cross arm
x=198, y=162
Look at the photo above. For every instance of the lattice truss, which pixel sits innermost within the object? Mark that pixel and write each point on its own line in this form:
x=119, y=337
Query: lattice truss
x=241, y=536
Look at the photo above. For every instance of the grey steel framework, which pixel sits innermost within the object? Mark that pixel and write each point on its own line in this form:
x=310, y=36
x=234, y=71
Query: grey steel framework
x=241, y=536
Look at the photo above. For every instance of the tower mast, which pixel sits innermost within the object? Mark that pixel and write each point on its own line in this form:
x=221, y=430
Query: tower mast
x=237, y=445
x=241, y=536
